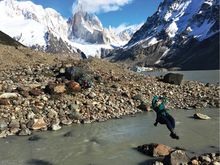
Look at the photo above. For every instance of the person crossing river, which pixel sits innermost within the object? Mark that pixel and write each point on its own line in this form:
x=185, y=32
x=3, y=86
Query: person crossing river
x=163, y=117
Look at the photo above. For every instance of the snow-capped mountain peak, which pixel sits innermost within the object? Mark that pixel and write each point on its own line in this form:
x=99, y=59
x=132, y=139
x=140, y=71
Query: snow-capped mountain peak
x=176, y=27
x=41, y=28
x=174, y=17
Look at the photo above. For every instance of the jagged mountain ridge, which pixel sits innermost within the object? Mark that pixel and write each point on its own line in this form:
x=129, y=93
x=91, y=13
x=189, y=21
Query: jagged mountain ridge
x=177, y=26
x=87, y=27
x=43, y=29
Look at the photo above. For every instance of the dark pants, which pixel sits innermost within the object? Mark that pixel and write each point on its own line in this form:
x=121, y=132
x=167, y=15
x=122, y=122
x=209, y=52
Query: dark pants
x=168, y=120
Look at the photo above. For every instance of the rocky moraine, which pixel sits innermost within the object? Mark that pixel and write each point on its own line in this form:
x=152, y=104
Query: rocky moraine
x=45, y=97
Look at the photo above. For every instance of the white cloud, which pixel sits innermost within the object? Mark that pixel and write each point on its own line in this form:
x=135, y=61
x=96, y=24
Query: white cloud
x=98, y=6
x=125, y=26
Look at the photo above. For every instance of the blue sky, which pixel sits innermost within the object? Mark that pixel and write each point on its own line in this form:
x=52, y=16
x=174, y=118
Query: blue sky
x=110, y=12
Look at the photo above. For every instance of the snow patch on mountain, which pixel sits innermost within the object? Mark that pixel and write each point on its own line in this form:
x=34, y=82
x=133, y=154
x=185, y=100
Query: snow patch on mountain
x=172, y=30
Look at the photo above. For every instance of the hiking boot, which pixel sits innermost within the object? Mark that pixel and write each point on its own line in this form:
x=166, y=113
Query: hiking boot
x=174, y=136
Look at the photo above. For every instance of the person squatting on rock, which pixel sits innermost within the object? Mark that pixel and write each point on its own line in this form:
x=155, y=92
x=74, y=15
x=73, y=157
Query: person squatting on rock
x=163, y=117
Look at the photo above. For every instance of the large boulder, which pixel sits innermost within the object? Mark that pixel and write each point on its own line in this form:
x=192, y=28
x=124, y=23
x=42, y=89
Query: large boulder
x=173, y=78
x=177, y=157
x=73, y=86
x=201, y=116
x=155, y=150
x=55, y=88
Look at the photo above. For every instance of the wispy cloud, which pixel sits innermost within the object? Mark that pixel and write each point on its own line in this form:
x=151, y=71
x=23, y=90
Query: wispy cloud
x=125, y=26
x=99, y=6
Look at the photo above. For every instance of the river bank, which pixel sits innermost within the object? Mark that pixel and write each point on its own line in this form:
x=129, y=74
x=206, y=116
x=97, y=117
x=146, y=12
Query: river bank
x=36, y=97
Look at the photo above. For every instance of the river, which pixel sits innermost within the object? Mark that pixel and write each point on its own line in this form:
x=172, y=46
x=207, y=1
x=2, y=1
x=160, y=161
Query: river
x=114, y=141
x=204, y=76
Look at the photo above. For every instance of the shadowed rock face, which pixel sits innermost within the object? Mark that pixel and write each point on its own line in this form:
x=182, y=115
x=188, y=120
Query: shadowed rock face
x=195, y=55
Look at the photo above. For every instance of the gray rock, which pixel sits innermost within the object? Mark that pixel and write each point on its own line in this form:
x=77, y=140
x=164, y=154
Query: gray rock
x=173, y=78
x=177, y=157
x=154, y=149
x=91, y=95
x=55, y=127
x=14, y=124
x=73, y=107
x=3, y=134
x=25, y=132
x=3, y=125
x=201, y=116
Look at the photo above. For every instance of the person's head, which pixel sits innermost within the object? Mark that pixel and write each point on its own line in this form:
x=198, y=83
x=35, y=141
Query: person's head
x=159, y=101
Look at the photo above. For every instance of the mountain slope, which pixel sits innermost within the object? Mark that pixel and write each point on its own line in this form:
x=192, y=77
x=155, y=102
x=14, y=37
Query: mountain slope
x=7, y=40
x=176, y=26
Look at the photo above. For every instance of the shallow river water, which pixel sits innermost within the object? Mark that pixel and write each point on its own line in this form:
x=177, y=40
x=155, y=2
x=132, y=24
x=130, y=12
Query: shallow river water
x=205, y=76
x=112, y=142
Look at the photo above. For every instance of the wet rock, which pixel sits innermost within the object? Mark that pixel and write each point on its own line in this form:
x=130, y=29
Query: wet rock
x=25, y=132
x=177, y=157
x=173, y=78
x=39, y=124
x=155, y=150
x=201, y=116
x=55, y=127
x=5, y=102
x=3, y=134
